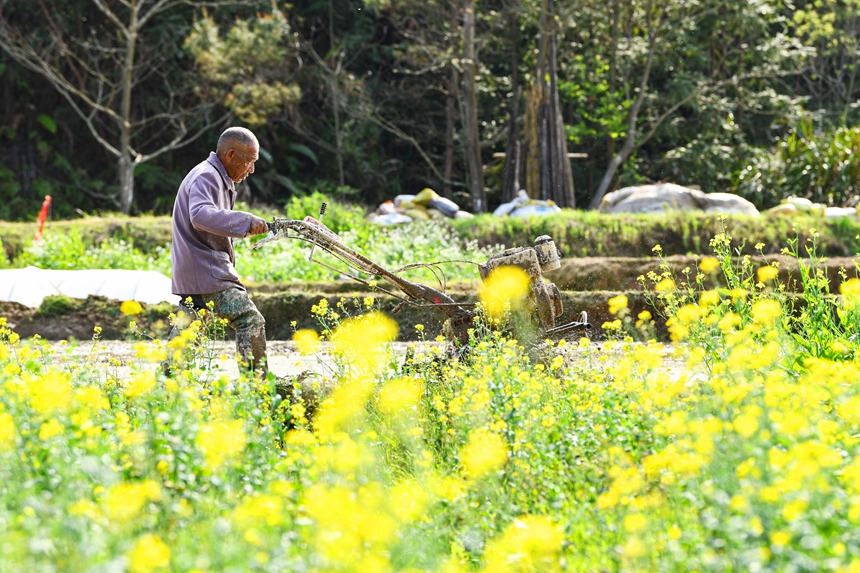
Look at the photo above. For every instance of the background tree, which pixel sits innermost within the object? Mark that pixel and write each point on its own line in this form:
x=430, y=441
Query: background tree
x=367, y=98
x=98, y=60
x=470, y=107
x=668, y=27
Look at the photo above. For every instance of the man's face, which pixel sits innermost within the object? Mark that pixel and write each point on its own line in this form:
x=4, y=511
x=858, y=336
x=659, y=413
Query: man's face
x=239, y=161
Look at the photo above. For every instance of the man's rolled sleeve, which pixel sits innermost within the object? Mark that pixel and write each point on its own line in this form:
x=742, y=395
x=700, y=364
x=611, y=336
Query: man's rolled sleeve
x=205, y=214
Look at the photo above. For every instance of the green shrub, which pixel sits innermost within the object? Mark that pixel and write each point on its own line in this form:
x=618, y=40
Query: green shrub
x=338, y=216
x=71, y=252
x=56, y=305
x=823, y=167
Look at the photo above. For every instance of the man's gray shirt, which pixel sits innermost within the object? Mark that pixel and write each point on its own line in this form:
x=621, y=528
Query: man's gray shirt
x=203, y=224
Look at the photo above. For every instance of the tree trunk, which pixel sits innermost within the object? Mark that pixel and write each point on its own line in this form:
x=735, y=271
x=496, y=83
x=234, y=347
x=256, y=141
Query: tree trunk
x=448, y=171
x=546, y=183
x=544, y=148
x=531, y=135
x=630, y=143
x=517, y=163
x=126, y=163
x=334, y=99
x=613, y=71
x=510, y=182
x=337, y=134
x=563, y=177
x=473, y=150
x=125, y=167
x=450, y=110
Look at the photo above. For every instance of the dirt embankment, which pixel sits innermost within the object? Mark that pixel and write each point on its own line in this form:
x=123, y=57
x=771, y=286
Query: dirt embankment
x=587, y=284
x=284, y=312
x=622, y=273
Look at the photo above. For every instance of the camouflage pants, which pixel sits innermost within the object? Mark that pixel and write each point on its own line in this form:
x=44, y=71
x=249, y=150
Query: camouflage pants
x=242, y=315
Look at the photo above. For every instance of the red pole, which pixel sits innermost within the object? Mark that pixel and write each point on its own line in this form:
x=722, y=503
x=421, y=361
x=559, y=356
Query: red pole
x=43, y=214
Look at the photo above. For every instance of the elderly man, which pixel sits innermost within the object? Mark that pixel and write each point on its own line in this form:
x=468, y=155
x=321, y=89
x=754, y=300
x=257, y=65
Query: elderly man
x=204, y=226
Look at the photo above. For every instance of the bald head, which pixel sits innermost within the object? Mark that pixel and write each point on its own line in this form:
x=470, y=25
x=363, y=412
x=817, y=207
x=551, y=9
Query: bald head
x=238, y=149
x=234, y=137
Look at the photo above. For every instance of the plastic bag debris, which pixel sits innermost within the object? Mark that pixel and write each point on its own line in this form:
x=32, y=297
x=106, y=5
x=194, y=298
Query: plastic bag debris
x=425, y=205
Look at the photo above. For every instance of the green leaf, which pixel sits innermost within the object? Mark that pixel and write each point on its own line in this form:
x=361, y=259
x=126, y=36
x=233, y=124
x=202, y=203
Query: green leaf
x=304, y=150
x=288, y=183
x=264, y=153
x=47, y=123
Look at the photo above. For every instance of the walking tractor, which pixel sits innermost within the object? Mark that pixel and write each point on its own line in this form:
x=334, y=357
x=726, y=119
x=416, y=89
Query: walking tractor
x=542, y=257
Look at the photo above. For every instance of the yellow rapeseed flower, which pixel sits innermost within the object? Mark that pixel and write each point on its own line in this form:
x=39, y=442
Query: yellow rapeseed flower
x=408, y=500
x=259, y=509
x=617, y=304
x=153, y=353
x=130, y=308
x=52, y=393
x=124, y=501
x=709, y=298
x=689, y=314
x=746, y=425
x=794, y=509
x=665, y=285
x=84, y=508
x=729, y=321
x=634, y=547
x=92, y=399
x=221, y=441
x=530, y=543
x=709, y=264
x=767, y=274
x=398, y=395
x=141, y=383
x=738, y=295
x=634, y=522
x=148, y=554
x=307, y=341
x=343, y=409
x=360, y=341
x=50, y=429
x=485, y=452
x=780, y=538
x=739, y=503
x=766, y=312
x=851, y=287
x=8, y=432
x=504, y=289
x=448, y=488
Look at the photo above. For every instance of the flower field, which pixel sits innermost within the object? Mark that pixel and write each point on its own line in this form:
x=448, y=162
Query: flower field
x=513, y=457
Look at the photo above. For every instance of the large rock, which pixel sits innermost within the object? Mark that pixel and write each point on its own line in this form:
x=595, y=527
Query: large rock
x=663, y=196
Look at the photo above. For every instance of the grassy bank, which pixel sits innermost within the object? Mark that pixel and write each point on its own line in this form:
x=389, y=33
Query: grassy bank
x=577, y=233
x=590, y=234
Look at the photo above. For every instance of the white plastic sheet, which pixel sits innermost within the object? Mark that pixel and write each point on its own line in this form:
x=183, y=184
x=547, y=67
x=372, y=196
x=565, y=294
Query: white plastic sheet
x=30, y=285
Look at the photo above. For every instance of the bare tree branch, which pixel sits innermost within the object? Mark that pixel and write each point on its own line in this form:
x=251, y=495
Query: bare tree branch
x=112, y=17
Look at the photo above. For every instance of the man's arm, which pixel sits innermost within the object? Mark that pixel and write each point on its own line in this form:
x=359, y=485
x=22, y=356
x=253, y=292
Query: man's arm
x=206, y=216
